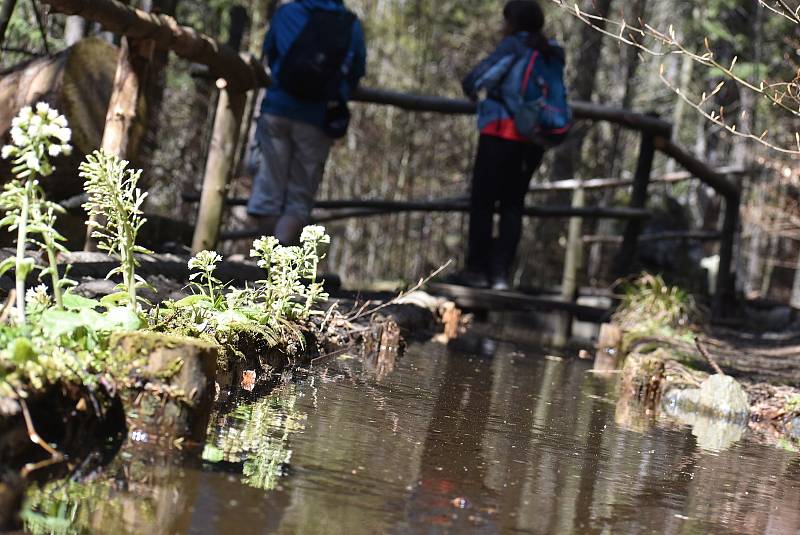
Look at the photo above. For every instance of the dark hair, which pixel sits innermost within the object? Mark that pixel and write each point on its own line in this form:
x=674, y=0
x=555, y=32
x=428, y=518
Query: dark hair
x=527, y=16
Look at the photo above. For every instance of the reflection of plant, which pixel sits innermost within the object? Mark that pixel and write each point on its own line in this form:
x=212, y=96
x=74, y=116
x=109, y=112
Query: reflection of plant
x=115, y=206
x=36, y=137
x=97, y=505
x=258, y=435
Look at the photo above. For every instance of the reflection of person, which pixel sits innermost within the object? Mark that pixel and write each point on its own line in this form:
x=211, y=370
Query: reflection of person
x=505, y=160
x=317, y=55
x=452, y=496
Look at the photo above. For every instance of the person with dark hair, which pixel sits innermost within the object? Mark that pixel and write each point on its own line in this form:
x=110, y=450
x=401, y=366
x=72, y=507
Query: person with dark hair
x=505, y=160
x=317, y=56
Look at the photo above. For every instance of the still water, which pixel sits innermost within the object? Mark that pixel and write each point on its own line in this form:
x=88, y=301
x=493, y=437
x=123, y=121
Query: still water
x=489, y=437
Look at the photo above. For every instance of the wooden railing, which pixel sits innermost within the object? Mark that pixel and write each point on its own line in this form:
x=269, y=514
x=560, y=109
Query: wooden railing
x=237, y=74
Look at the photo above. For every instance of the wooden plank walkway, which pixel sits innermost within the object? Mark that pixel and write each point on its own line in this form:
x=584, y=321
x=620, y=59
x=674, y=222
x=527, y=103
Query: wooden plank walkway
x=486, y=299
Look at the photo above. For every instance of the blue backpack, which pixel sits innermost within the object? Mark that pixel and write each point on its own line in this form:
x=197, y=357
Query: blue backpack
x=538, y=97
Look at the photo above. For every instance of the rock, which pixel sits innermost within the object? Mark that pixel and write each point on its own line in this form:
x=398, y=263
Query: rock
x=714, y=434
x=722, y=395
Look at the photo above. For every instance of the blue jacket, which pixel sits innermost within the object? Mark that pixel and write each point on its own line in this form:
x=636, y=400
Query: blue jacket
x=500, y=75
x=287, y=23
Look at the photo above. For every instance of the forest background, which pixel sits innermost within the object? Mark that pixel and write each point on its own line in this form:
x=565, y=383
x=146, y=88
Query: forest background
x=426, y=46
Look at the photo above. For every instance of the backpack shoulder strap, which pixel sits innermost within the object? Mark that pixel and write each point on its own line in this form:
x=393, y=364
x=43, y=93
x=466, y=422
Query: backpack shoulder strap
x=528, y=71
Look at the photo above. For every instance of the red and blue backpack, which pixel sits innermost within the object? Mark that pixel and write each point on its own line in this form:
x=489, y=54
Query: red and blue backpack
x=536, y=96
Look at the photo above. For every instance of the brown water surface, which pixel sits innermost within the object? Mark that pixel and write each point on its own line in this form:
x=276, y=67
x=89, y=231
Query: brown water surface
x=490, y=438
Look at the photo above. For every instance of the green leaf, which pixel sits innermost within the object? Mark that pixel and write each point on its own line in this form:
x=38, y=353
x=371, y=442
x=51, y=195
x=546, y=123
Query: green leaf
x=57, y=323
x=191, y=301
x=25, y=267
x=111, y=300
x=124, y=318
x=76, y=302
x=22, y=351
x=230, y=317
x=7, y=264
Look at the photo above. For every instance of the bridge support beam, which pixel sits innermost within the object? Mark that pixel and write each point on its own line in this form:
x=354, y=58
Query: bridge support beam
x=573, y=260
x=641, y=182
x=219, y=167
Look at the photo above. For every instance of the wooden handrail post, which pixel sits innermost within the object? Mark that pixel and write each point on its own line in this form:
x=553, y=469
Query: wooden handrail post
x=573, y=259
x=641, y=182
x=132, y=66
x=219, y=166
x=725, y=274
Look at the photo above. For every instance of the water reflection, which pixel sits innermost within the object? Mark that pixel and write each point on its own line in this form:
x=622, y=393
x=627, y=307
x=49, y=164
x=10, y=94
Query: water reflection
x=481, y=437
x=255, y=437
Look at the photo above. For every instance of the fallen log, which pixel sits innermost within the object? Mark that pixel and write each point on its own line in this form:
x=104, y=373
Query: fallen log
x=241, y=73
x=77, y=82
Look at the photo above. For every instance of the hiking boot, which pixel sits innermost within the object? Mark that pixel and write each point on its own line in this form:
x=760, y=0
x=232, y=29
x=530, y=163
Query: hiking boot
x=473, y=279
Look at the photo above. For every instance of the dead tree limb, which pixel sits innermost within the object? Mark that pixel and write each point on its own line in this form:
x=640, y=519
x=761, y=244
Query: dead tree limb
x=241, y=73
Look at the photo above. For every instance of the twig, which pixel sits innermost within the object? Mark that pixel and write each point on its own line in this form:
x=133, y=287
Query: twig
x=706, y=355
x=401, y=295
x=12, y=297
x=55, y=455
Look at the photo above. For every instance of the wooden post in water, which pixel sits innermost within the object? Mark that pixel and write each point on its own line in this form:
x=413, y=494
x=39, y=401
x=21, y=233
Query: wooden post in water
x=132, y=63
x=572, y=264
x=219, y=166
x=641, y=182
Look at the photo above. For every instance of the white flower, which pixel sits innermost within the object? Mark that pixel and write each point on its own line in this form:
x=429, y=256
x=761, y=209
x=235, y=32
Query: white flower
x=25, y=113
x=66, y=150
x=54, y=150
x=32, y=162
x=50, y=130
x=42, y=108
x=18, y=137
x=52, y=115
x=37, y=296
x=64, y=135
x=8, y=150
x=36, y=120
x=314, y=234
x=205, y=261
x=60, y=121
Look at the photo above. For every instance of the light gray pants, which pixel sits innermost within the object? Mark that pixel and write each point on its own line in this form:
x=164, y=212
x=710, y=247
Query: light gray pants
x=292, y=162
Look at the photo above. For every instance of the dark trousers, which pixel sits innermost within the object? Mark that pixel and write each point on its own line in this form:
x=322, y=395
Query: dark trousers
x=503, y=170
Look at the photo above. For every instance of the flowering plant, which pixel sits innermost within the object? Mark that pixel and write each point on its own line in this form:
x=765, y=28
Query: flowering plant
x=36, y=135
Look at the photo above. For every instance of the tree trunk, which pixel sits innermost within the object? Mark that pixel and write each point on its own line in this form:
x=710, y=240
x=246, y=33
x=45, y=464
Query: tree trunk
x=605, y=227
x=6, y=10
x=154, y=92
x=583, y=85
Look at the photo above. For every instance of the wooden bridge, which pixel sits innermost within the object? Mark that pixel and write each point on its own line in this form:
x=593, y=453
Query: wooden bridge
x=240, y=76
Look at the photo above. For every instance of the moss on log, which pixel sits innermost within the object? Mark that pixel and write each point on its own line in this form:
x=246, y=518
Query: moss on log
x=174, y=384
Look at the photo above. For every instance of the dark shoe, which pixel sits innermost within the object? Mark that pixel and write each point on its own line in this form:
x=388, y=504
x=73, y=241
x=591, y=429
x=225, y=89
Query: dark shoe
x=473, y=279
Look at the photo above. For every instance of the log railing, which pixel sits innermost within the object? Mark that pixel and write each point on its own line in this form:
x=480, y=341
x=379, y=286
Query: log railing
x=238, y=74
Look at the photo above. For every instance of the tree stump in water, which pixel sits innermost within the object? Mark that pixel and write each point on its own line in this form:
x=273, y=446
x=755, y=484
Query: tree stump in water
x=78, y=82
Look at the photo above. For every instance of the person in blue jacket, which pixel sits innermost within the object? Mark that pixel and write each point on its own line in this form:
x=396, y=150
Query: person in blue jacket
x=292, y=131
x=506, y=160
